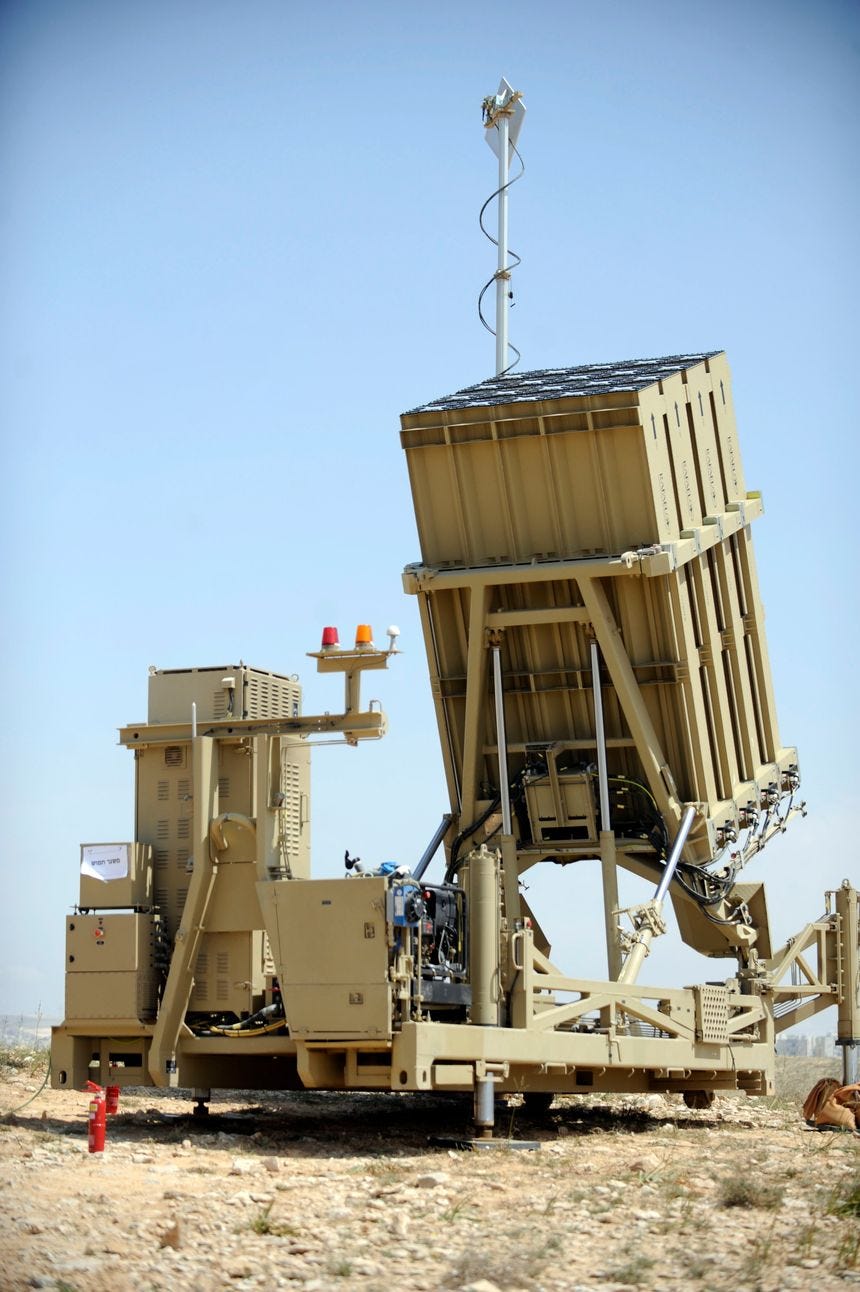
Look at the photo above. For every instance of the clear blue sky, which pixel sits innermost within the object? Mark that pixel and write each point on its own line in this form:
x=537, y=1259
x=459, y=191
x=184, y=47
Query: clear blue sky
x=236, y=241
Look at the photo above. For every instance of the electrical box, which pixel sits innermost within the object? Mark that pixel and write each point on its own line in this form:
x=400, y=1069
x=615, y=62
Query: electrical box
x=230, y=973
x=112, y=966
x=220, y=693
x=562, y=807
x=333, y=956
x=115, y=891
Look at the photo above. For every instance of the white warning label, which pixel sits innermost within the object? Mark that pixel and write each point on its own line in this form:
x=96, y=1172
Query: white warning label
x=105, y=861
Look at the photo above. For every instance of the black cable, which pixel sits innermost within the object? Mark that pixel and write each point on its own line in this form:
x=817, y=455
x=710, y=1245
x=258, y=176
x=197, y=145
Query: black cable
x=658, y=819
x=516, y=261
x=452, y=867
x=498, y=192
x=492, y=331
x=704, y=902
x=517, y=790
x=715, y=919
x=715, y=890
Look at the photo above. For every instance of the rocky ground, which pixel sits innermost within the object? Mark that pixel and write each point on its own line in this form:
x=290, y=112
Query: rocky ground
x=324, y=1191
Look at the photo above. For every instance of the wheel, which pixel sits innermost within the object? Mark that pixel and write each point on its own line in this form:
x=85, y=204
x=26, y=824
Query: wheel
x=537, y=1103
x=699, y=1098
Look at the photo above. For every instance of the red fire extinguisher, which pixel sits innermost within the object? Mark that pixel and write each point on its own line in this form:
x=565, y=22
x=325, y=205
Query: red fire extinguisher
x=97, y=1119
x=111, y=1100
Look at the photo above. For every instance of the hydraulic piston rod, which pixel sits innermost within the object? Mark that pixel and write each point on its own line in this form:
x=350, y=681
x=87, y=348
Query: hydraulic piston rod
x=650, y=921
x=501, y=740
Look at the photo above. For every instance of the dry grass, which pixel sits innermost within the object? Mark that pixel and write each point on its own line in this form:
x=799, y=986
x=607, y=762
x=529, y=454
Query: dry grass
x=846, y=1199
x=24, y=1058
x=263, y=1224
x=746, y=1191
x=796, y=1076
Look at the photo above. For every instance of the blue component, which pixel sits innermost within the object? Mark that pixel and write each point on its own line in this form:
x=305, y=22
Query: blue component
x=400, y=897
x=388, y=867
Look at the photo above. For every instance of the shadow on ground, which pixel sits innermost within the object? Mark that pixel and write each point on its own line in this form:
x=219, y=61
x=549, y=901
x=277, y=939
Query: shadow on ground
x=379, y=1124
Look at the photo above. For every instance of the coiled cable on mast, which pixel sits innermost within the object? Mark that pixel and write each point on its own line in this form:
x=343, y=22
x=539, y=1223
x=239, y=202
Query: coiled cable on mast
x=517, y=260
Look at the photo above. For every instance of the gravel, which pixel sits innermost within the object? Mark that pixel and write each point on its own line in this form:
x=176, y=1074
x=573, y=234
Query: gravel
x=326, y=1191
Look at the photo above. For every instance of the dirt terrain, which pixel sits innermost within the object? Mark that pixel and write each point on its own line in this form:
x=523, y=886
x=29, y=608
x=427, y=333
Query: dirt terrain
x=326, y=1191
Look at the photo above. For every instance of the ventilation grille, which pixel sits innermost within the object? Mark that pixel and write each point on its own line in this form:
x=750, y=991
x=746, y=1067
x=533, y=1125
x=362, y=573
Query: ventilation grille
x=291, y=784
x=712, y=1014
x=267, y=696
x=165, y=820
x=227, y=972
x=201, y=986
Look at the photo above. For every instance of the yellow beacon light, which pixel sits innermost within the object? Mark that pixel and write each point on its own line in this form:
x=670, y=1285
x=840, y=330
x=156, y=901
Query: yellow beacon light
x=364, y=637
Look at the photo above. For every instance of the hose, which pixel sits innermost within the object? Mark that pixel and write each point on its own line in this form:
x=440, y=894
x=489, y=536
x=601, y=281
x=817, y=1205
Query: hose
x=13, y=1111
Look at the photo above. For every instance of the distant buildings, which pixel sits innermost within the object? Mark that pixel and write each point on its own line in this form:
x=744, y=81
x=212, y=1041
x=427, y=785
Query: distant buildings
x=808, y=1047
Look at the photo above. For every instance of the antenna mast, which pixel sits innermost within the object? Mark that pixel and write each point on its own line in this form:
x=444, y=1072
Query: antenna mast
x=503, y=119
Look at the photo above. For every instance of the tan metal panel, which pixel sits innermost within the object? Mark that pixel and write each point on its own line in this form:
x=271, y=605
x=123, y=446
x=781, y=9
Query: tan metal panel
x=233, y=906
x=163, y=795
x=675, y=433
x=713, y=676
x=331, y=930
x=756, y=649
x=330, y=947
x=134, y=889
x=566, y=478
x=220, y=692
x=504, y=491
x=110, y=966
x=723, y=417
x=703, y=785
x=436, y=496
x=706, y=436
x=229, y=972
x=347, y=1011
x=109, y=942
x=119, y=997
x=682, y=405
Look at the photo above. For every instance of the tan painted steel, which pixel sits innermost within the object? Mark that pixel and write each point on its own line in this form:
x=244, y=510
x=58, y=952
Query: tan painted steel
x=545, y=526
x=111, y=967
x=346, y=990
x=624, y=515
x=135, y=889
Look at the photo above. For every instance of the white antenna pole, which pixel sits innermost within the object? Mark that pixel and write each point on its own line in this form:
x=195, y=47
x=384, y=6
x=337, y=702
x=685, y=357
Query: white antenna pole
x=502, y=275
x=503, y=119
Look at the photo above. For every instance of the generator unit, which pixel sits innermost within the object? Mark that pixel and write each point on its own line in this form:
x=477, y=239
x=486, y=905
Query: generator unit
x=597, y=659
